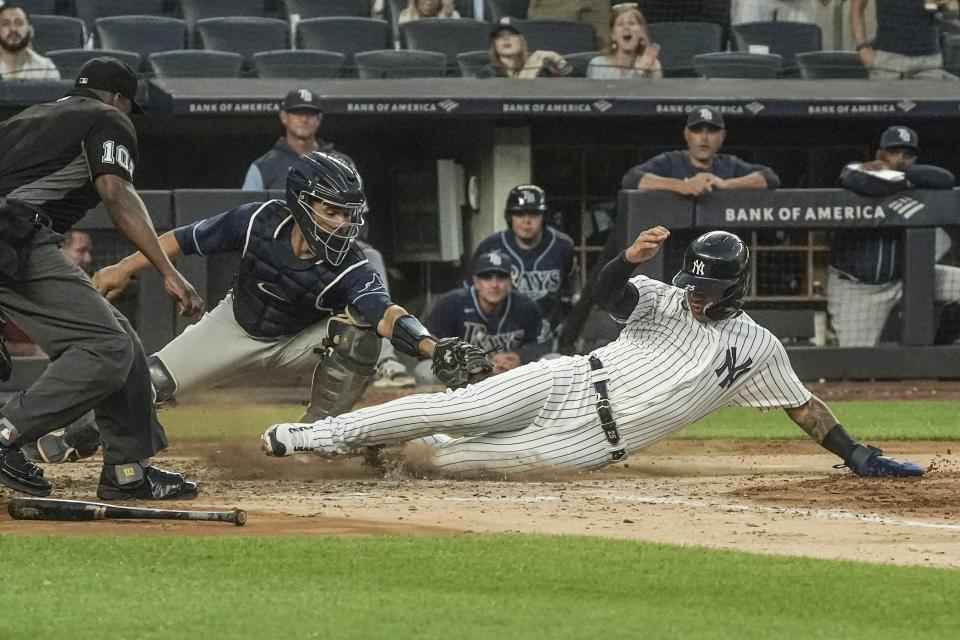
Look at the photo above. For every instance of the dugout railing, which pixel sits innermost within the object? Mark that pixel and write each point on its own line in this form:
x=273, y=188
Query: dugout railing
x=915, y=213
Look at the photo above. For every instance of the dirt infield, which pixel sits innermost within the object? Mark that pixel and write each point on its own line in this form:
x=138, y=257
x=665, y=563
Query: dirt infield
x=767, y=497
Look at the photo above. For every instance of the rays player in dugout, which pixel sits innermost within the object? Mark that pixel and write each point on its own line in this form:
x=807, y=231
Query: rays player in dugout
x=543, y=268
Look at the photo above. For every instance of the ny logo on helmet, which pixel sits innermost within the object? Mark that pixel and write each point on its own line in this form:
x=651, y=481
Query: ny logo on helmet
x=698, y=267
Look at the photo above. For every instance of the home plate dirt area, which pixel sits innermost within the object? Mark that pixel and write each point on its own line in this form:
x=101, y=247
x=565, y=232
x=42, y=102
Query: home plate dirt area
x=778, y=497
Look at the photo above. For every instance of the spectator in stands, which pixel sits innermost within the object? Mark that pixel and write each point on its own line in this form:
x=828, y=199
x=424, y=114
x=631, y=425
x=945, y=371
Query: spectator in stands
x=509, y=57
x=701, y=168
x=596, y=12
x=490, y=314
x=907, y=42
x=418, y=9
x=742, y=11
x=866, y=265
x=17, y=60
x=301, y=117
x=628, y=53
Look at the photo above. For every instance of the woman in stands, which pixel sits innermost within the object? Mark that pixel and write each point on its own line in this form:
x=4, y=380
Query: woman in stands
x=418, y=9
x=509, y=57
x=629, y=54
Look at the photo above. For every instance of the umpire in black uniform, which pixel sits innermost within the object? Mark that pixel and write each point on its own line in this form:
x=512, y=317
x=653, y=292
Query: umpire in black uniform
x=59, y=160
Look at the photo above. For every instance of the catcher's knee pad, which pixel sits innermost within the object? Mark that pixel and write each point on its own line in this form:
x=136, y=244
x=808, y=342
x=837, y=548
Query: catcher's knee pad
x=348, y=362
x=164, y=386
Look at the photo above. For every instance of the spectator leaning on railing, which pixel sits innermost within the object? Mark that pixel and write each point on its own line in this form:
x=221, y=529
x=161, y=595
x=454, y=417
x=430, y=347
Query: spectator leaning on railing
x=629, y=52
x=509, y=57
x=866, y=266
x=742, y=11
x=17, y=60
x=701, y=168
x=907, y=43
x=418, y=9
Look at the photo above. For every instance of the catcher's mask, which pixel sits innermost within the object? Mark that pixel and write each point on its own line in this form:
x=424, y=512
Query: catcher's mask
x=716, y=265
x=330, y=178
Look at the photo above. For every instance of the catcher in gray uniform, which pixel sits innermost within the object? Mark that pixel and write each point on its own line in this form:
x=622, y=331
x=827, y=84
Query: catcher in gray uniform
x=302, y=287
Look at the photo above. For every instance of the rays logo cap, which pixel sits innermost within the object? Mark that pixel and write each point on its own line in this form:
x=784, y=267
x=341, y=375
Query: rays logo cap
x=705, y=115
x=109, y=74
x=492, y=262
x=899, y=137
x=301, y=100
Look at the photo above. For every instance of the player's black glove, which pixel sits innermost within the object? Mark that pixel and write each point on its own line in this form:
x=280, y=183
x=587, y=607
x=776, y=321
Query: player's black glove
x=869, y=461
x=457, y=363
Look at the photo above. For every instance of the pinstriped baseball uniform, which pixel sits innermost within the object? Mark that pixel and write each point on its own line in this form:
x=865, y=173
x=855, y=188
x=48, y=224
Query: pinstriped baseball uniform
x=665, y=371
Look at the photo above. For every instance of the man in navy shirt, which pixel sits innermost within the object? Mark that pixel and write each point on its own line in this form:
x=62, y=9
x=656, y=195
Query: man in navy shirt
x=302, y=283
x=543, y=268
x=490, y=314
x=701, y=168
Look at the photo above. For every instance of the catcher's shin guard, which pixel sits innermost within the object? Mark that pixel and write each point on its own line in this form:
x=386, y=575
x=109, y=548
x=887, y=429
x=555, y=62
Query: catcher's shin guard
x=164, y=386
x=348, y=362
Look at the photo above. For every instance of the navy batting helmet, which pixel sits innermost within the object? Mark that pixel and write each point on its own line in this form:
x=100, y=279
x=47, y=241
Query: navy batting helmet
x=716, y=265
x=525, y=198
x=328, y=177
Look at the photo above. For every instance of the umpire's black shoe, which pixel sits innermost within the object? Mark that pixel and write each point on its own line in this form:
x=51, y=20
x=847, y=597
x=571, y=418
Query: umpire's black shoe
x=155, y=484
x=21, y=475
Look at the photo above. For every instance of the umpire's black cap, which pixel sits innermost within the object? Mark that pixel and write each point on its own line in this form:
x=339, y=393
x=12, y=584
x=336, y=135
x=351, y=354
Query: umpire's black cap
x=899, y=137
x=492, y=262
x=109, y=74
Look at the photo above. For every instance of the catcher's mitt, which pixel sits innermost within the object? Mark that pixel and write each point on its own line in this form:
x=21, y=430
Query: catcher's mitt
x=457, y=363
x=869, y=461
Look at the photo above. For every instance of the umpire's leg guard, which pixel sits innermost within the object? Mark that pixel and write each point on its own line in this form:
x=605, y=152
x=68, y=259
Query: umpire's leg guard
x=348, y=362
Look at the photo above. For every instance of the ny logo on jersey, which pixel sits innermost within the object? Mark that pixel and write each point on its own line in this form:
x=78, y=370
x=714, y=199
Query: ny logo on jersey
x=733, y=369
x=698, y=267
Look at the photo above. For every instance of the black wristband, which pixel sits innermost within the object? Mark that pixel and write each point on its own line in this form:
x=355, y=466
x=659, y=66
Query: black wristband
x=838, y=442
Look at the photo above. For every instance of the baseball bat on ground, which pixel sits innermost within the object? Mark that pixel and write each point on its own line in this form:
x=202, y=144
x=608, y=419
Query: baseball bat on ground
x=74, y=510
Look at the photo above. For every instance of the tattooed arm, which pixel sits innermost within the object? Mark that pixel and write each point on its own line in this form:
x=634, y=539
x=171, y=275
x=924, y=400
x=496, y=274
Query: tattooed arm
x=815, y=418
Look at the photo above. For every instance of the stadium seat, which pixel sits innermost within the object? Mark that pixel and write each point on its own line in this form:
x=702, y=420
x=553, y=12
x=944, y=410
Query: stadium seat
x=951, y=53
x=327, y=8
x=303, y=63
x=143, y=34
x=470, y=62
x=820, y=65
x=39, y=7
x=448, y=37
x=196, y=10
x=580, y=61
x=562, y=36
x=90, y=10
x=69, y=61
x=196, y=64
x=680, y=41
x=494, y=10
x=243, y=35
x=343, y=35
x=786, y=39
x=55, y=33
x=389, y=63
x=738, y=65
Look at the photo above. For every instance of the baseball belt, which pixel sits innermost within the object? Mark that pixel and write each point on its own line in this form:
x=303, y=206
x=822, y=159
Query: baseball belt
x=605, y=411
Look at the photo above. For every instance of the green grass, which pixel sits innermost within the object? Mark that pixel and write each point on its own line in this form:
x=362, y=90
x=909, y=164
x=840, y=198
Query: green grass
x=492, y=586
x=867, y=420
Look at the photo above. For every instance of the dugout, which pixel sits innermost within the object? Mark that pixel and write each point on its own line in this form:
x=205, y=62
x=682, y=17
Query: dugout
x=575, y=137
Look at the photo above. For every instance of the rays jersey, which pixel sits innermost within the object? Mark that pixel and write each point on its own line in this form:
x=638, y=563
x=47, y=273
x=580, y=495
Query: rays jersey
x=276, y=293
x=544, y=274
x=668, y=370
x=458, y=313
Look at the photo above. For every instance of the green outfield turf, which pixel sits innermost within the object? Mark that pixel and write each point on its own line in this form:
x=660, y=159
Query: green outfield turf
x=867, y=420
x=491, y=586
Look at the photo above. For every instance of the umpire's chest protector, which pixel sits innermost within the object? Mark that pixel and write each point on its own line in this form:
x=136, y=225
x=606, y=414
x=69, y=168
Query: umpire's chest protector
x=277, y=294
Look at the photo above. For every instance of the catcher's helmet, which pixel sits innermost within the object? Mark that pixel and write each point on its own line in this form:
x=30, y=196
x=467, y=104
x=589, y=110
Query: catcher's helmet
x=329, y=177
x=716, y=265
x=525, y=198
